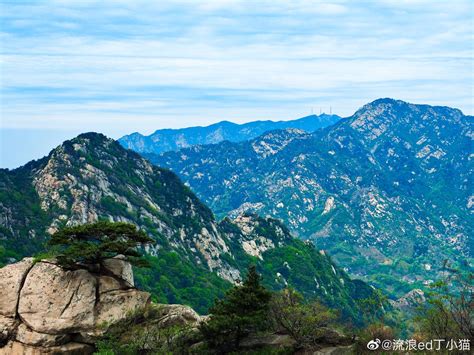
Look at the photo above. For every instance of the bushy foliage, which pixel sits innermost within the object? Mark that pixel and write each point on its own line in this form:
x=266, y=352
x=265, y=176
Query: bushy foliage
x=242, y=311
x=143, y=331
x=93, y=243
x=449, y=311
x=374, y=331
x=303, y=321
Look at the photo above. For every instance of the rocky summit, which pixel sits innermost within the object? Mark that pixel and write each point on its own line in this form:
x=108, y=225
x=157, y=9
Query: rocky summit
x=386, y=191
x=195, y=258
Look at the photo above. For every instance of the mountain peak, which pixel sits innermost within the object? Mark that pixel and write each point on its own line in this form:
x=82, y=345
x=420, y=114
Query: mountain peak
x=92, y=135
x=401, y=107
x=90, y=148
x=388, y=101
x=92, y=139
x=385, y=115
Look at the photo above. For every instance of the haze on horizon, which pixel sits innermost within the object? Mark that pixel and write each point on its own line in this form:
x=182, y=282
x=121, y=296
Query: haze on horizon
x=118, y=67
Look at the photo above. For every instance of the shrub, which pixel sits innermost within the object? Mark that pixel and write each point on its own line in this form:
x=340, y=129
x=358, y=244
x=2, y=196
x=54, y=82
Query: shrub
x=304, y=322
x=143, y=332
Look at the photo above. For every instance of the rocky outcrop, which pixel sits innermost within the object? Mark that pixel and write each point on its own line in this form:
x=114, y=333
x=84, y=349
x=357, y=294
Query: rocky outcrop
x=410, y=301
x=47, y=309
x=120, y=269
x=177, y=314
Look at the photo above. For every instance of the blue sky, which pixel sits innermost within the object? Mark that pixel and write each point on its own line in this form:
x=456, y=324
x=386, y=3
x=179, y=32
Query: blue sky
x=124, y=66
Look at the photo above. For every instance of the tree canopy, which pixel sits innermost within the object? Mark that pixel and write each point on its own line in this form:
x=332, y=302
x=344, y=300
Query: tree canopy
x=93, y=243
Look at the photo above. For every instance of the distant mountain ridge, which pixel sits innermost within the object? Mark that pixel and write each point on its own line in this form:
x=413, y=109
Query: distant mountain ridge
x=174, y=139
x=388, y=191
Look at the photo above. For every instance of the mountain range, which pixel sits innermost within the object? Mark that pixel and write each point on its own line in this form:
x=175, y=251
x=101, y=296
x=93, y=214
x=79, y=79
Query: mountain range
x=174, y=139
x=387, y=192
x=195, y=259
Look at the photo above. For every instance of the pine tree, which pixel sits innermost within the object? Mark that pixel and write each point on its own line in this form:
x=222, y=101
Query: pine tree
x=242, y=311
x=89, y=244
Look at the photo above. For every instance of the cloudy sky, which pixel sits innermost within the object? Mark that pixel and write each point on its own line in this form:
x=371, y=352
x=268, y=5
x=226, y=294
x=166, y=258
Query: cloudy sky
x=122, y=66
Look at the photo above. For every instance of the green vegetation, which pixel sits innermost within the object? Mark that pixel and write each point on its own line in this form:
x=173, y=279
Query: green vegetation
x=93, y=243
x=300, y=265
x=315, y=277
x=242, y=311
x=21, y=232
x=144, y=332
x=171, y=278
x=246, y=312
x=306, y=322
x=449, y=312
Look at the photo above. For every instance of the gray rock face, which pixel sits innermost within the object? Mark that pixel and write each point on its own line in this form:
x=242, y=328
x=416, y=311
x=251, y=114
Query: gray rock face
x=53, y=300
x=114, y=305
x=107, y=283
x=11, y=280
x=269, y=340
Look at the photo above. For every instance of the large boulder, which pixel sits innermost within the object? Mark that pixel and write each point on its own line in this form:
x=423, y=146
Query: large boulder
x=11, y=280
x=46, y=309
x=331, y=336
x=57, y=301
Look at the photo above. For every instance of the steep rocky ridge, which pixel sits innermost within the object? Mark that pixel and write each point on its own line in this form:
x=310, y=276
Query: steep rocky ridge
x=387, y=191
x=195, y=258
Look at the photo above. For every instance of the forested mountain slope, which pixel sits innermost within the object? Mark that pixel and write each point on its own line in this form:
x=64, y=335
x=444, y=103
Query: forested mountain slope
x=387, y=191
